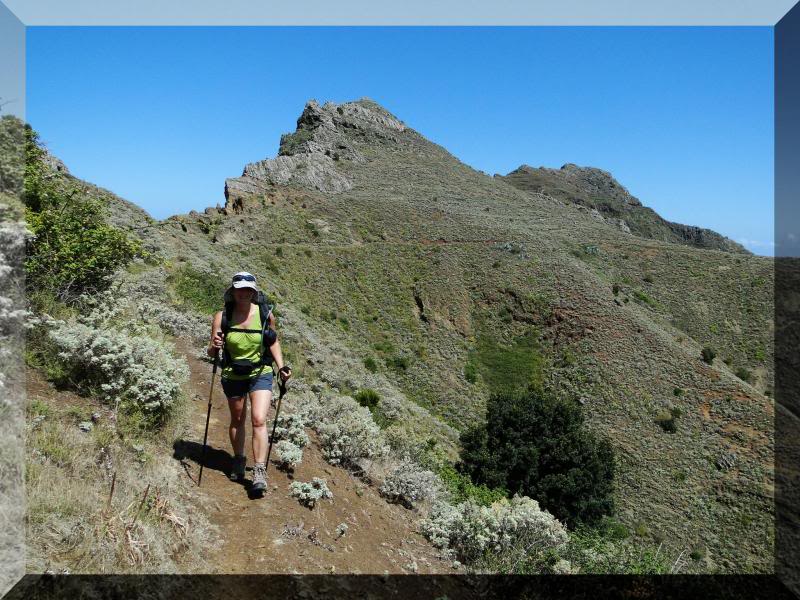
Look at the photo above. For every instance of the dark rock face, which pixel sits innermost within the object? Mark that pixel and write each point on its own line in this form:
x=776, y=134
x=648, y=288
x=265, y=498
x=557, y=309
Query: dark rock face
x=606, y=199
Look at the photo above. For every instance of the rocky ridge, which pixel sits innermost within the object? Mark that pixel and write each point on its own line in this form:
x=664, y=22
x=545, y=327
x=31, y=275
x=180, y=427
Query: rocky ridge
x=605, y=199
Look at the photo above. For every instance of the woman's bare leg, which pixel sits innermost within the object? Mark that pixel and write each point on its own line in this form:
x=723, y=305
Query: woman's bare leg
x=259, y=407
x=236, y=431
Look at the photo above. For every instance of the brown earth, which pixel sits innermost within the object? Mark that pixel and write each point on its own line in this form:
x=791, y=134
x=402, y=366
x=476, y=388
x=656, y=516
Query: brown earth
x=275, y=533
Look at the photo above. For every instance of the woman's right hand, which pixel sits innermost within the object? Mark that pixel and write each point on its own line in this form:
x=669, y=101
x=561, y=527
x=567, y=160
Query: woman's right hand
x=216, y=343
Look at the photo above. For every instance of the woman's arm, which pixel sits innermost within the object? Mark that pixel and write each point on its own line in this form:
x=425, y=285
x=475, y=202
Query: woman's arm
x=216, y=334
x=275, y=348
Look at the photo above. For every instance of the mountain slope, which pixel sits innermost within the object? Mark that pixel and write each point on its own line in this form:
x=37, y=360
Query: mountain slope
x=380, y=242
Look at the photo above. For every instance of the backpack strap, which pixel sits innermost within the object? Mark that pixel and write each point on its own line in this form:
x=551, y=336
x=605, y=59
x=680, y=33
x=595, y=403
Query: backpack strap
x=268, y=334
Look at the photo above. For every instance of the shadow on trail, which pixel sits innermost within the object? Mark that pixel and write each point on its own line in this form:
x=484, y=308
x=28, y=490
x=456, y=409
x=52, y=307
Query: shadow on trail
x=215, y=459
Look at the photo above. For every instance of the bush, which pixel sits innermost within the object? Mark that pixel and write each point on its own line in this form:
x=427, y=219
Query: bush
x=139, y=372
x=310, y=493
x=368, y=397
x=470, y=372
x=398, y=363
x=289, y=455
x=370, y=364
x=290, y=427
x=470, y=531
x=73, y=249
x=708, y=354
x=348, y=432
x=536, y=445
x=744, y=374
x=409, y=484
x=461, y=488
x=667, y=421
x=606, y=549
x=197, y=290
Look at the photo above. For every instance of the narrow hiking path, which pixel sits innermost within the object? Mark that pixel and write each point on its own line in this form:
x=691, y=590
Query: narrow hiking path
x=275, y=533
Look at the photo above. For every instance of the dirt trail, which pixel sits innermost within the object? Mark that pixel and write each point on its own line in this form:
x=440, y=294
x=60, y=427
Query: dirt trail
x=275, y=533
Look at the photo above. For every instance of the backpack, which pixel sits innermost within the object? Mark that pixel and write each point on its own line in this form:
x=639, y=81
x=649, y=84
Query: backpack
x=268, y=335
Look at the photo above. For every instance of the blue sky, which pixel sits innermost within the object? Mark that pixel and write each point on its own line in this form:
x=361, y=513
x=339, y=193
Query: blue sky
x=682, y=117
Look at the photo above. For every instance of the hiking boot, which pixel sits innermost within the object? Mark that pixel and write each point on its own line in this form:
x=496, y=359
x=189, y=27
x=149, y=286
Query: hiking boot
x=259, y=477
x=237, y=471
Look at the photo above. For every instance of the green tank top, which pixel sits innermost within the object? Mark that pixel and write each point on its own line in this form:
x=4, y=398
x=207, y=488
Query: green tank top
x=245, y=346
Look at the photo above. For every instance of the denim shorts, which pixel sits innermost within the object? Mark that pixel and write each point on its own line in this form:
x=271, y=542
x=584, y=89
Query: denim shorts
x=234, y=388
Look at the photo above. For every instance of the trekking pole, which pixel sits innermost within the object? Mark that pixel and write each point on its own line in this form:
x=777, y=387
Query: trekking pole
x=208, y=416
x=282, y=386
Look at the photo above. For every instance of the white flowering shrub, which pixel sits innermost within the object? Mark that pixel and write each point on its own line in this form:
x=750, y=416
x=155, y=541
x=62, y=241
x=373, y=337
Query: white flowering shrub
x=310, y=493
x=390, y=407
x=291, y=427
x=409, y=484
x=469, y=530
x=176, y=322
x=139, y=371
x=347, y=432
x=12, y=314
x=289, y=455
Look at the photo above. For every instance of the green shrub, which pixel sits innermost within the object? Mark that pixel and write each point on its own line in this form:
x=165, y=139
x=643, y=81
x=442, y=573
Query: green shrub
x=537, y=445
x=667, y=421
x=615, y=289
x=643, y=298
x=197, y=290
x=648, y=277
x=470, y=372
x=677, y=391
x=604, y=550
x=708, y=354
x=744, y=374
x=505, y=314
x=368, y=397
x=697, y=553
x=370, y=364
x=462, y=488
x=398, y=362
x=73, y=249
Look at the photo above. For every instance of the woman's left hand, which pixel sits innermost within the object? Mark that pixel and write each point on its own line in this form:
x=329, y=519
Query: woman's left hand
x=285, y=372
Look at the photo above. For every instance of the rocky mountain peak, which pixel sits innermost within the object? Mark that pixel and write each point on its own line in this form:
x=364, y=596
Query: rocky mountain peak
x=308, y=157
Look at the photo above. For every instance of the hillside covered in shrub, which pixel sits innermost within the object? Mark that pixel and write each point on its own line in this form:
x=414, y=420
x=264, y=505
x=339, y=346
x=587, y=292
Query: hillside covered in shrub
x=527, y=380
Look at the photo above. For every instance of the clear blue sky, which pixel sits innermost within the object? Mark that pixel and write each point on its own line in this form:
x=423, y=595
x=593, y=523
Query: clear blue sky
x=683, y=117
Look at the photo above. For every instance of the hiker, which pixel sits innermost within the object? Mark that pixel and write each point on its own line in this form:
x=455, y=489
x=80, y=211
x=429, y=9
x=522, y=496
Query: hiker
x=245, y=332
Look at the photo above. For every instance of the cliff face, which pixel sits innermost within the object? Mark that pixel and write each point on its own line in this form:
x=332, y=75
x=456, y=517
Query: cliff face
x=607, y=200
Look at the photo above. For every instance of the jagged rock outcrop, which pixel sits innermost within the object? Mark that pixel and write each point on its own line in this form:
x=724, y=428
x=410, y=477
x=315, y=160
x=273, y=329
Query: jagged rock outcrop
x=308, y=157
x=606, y=199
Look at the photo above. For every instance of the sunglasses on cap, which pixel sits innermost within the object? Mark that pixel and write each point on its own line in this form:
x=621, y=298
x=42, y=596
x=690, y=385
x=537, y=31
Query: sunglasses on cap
x=243, y=278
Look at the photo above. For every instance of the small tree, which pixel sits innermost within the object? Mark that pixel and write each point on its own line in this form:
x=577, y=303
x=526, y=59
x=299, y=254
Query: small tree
x=537, y=445
x=73, y=249
x=708, y=355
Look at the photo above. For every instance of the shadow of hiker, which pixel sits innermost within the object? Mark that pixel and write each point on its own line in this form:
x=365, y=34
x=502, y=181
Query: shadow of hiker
x=216, y=459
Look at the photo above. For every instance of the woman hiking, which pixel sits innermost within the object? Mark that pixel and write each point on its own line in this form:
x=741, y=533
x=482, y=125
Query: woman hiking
x=246, y=338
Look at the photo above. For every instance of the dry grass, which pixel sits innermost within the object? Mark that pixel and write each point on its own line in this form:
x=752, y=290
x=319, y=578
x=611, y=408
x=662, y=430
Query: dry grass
x=96, y=506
